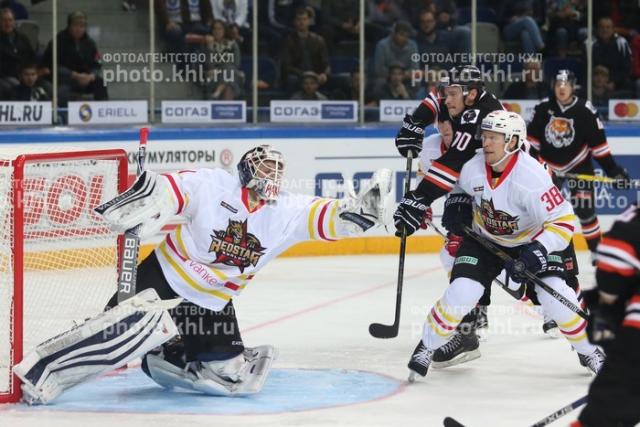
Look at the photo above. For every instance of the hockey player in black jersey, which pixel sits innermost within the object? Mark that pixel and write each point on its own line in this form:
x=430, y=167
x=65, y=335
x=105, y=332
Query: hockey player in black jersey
x=566, y=132
x=463, y=99
x=615, y=324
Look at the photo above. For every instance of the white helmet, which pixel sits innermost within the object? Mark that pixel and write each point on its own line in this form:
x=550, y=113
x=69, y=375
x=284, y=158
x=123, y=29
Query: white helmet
x=509, y=124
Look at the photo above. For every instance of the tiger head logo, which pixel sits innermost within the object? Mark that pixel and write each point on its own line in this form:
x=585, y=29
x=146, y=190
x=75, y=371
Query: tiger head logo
x=559, y=132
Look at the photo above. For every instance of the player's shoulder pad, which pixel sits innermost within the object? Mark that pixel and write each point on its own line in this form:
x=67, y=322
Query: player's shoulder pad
x=588, y=105
x=531, y=173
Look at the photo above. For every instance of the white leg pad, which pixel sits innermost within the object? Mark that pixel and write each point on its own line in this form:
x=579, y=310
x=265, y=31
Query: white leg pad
x=250, y=374
x=100, y=344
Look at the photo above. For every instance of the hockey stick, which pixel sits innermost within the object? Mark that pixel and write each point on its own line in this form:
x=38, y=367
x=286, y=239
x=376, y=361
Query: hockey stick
x=378, y=330
x=516, y=294
x=635, y=183
x=131, y=241
x=521, y=268
x=450, y=422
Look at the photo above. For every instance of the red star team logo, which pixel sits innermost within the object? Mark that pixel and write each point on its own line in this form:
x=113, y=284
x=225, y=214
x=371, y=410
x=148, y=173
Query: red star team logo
x=235, y=246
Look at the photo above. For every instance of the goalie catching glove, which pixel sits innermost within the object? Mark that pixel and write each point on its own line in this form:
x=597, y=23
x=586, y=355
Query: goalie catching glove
x=372, y=206
x=149, y=202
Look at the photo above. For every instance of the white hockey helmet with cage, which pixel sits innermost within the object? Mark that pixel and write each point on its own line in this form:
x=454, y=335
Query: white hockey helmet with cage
x=509, y=124
x=260, y=169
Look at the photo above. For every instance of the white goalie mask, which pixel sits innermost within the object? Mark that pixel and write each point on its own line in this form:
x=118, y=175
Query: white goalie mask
x=509, y=124
x=260, y=169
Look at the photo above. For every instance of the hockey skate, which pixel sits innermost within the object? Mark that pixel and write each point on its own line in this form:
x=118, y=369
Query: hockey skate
x=462, y=348
x=593, y=362
x=550, y=327
x=420, y=361
x=482, y=322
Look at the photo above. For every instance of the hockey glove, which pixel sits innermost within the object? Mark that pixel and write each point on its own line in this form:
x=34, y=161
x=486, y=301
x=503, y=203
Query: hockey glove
x=533, y=258
x=409, y=213
x=409, y=137
x=427, y=219
x=458, y=212
x=453, y=244
x=623, y=180
x=604, y=321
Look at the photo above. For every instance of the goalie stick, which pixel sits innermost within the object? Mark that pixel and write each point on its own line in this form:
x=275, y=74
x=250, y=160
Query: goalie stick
x=521, y=268
x=450, y=422
x=379, y=330
x=128, y=268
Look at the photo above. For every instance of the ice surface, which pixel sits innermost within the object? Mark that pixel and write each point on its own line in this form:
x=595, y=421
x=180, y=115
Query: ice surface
x=316, y=311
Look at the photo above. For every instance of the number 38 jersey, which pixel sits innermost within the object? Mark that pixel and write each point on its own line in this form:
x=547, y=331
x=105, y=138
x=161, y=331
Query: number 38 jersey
x=215, y=254
x=519, y=206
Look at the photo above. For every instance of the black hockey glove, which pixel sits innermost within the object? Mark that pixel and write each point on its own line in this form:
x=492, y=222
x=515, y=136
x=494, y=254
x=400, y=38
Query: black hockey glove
x=533, y=258
x=409, y=137
x=409, y=213
x=604, y=321
x=458, y=212
x=623, y=180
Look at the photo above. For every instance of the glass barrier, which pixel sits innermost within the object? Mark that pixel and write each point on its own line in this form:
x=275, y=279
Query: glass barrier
x=215, y=61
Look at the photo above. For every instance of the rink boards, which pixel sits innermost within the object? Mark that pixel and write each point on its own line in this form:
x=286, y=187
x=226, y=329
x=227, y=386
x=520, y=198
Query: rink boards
x=319, y=161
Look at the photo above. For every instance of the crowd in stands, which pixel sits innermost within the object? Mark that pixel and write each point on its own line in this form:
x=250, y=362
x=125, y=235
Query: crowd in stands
x=308, y=49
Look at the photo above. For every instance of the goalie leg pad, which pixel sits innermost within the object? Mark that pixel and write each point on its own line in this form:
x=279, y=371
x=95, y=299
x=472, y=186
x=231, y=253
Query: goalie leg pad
x=373, y=205
x=242, y=375
x=103, y=343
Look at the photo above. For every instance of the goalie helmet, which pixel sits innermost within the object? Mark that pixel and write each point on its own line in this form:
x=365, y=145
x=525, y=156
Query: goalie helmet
x=509, y=124
x=260, y=169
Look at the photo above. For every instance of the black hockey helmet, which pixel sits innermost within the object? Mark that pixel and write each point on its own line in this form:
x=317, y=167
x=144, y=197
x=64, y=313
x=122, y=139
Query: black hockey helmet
x=466, y=76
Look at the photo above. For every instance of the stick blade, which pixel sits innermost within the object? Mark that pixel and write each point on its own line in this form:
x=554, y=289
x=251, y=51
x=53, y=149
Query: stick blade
x=450, y=422
x=379, y=330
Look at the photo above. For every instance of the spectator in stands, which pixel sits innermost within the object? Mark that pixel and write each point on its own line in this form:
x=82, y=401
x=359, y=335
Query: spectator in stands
x=224, y=77
x=531, y=86
x=602, y=88
x=413, y=10
x=385, y=12
x=309, y=91
x=395, y=87
x=395, y=48
x=625, y=15
x=612, y=51
x=518, y=25
x=235, y=14
x=14, y=47
x=458, y=36
x=302, y=51
x=180, y=19
x=341, y=20
x=79, y=70
x=431, y=41
x=20, y=12
x=30, y=88
x=568, y=23
x=274, y=22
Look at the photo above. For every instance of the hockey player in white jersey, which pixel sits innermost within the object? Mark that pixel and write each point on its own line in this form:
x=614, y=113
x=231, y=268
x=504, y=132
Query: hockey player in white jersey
x=508, y=198
x=234, y=226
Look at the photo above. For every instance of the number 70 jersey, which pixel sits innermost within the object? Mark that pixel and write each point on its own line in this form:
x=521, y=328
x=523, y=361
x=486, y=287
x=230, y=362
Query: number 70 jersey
x=519, y=206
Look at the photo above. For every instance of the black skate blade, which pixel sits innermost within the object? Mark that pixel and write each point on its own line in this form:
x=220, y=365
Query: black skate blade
x=378, y=330
x=450, y=422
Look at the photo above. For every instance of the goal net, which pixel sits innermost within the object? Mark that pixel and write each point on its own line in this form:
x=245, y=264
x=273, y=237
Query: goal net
x=58, y=259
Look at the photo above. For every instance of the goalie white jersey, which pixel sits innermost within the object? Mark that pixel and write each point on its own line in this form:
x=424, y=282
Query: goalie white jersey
x=212, y=257
x=520, y=206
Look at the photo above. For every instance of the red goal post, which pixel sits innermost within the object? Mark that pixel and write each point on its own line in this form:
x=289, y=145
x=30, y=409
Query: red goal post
x=58, y=259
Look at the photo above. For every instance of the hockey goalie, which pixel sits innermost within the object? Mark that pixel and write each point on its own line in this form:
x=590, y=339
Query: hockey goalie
x=181, y=321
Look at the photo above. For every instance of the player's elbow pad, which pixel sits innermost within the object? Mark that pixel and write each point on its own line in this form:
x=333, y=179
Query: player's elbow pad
x=150, y=202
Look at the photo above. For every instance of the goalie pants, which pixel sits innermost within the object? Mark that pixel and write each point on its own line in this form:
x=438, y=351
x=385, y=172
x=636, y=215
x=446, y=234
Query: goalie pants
x=614, y=394
x=207, y=334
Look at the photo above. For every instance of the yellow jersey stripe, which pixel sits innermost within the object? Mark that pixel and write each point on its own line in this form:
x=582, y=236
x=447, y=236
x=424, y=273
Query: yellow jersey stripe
x=570, y=323
x=312, y=217
x=187, y=279
x=558, y=230
x=450, y=318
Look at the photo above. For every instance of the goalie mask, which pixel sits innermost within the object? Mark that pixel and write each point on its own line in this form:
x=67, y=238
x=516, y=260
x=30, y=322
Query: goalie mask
x=260, y=169
x=509, y=124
